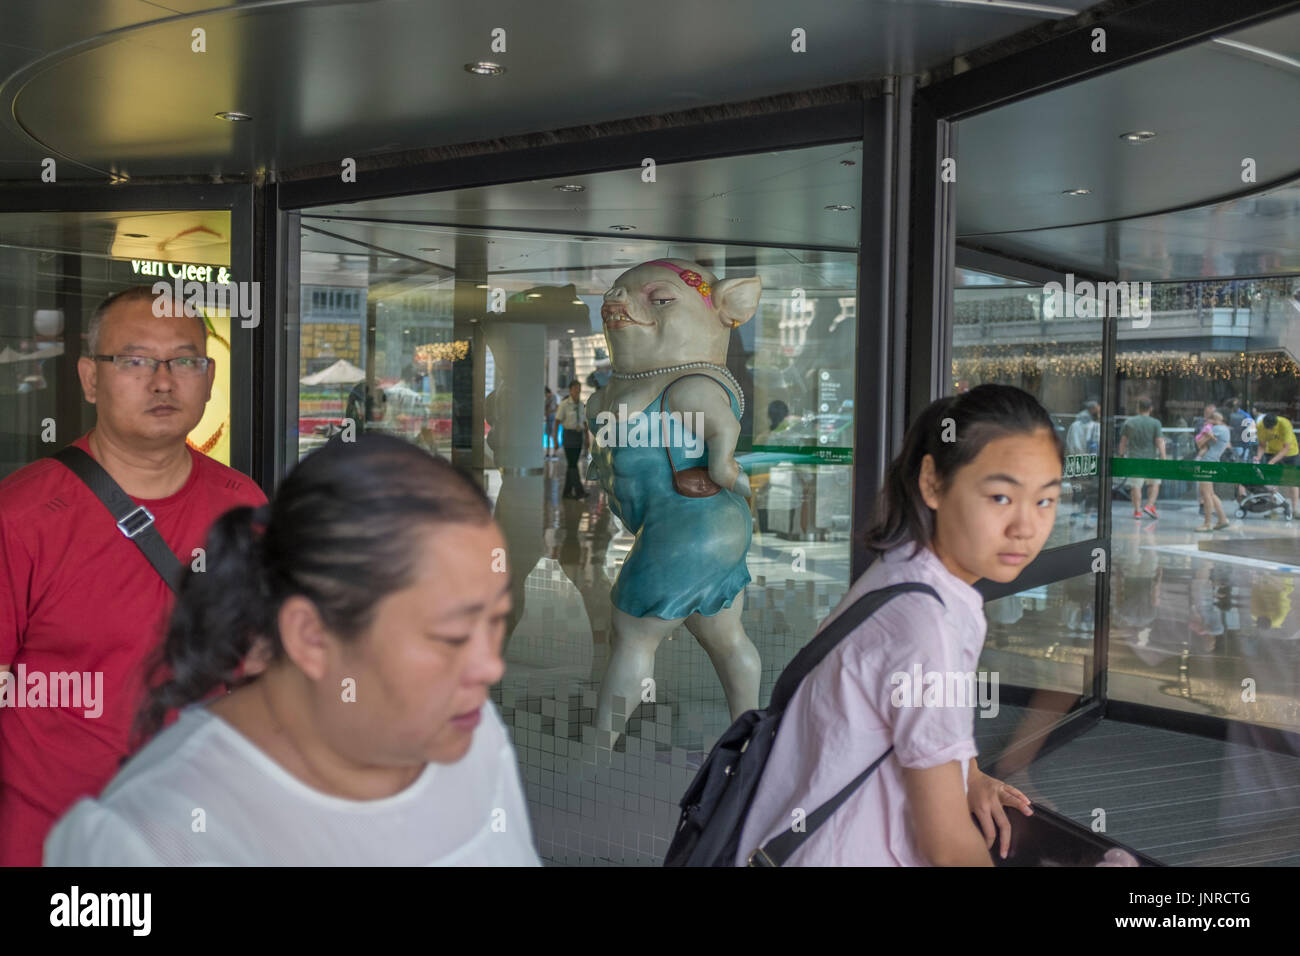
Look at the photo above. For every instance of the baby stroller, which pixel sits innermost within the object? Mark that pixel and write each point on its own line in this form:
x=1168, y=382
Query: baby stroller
x=1261, y=499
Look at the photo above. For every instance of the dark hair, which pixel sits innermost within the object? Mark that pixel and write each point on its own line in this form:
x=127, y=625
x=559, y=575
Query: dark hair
x=1270, y=421
x=985, y=413
x=1144, y=404
x=342, y=531
x=777, y=412
x=362, y=402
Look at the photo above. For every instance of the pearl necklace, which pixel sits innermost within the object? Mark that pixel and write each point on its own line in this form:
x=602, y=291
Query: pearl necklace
x=740, y=393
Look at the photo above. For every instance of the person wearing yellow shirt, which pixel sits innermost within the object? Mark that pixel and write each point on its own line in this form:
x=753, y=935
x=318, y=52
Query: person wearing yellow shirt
x=1277, y=446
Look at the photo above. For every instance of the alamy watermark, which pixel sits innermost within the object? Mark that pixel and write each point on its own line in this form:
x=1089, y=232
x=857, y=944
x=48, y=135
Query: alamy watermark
x=130, y=910
x=180, y=297
x=1095, y=300
x=921, y=688
x=82, y=690
x=651, y=430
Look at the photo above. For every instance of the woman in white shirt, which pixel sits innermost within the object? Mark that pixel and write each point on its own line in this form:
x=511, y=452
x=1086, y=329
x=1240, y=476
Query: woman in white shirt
x=972, y=495
x=369, y=603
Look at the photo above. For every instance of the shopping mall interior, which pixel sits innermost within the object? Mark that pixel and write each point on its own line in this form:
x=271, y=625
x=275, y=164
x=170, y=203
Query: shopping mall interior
x=936, y=195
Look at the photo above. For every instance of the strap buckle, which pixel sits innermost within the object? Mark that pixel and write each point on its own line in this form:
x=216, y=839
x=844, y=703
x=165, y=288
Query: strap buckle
x=134, y=523
x=760, y=858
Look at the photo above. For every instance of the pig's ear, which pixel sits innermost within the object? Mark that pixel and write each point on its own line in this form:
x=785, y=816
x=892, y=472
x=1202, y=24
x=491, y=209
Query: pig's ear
x=737, y=299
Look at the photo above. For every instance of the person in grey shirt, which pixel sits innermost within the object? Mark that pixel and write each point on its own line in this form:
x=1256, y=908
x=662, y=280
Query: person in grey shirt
x=1142, y=437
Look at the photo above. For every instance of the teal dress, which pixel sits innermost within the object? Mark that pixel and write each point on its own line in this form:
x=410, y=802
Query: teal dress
x=689, y=555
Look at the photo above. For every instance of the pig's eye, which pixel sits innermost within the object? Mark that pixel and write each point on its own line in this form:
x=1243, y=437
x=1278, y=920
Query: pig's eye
x=662, y=300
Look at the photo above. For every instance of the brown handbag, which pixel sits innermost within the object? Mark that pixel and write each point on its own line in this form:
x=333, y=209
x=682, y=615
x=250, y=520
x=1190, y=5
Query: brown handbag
x=689, y=482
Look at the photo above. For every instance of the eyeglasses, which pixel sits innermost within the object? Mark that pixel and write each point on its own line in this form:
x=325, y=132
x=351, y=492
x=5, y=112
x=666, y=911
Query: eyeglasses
x=142, y=366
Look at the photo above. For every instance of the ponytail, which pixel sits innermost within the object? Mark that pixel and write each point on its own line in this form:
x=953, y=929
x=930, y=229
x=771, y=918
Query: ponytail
x=901, y=513
x=219, y=612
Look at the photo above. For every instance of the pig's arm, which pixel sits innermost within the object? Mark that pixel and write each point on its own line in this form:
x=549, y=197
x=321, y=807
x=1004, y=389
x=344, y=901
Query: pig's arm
x=721, y=430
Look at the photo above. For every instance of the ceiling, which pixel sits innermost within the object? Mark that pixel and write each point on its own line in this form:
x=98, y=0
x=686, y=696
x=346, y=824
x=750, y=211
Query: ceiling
x=1152, y=210
x=114, y=86
x=775, y=199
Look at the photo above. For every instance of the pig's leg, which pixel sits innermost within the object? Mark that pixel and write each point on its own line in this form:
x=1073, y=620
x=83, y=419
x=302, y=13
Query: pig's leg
x=632, y=660
x=734, y=655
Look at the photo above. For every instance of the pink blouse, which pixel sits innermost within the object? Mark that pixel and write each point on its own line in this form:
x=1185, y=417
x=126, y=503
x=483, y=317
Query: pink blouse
x=855, y=703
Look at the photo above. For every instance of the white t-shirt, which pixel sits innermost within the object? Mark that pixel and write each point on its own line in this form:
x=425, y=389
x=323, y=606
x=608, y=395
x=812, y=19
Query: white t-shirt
x=842, y=718
x=572, y=414
x=255, y=813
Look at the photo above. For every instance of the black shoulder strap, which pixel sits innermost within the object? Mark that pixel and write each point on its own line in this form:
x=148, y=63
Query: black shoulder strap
x=779, y=849
x=134, y=521
x=812, y=653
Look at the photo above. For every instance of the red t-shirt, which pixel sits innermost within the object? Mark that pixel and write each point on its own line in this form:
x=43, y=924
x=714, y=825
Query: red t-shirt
x=78, y=596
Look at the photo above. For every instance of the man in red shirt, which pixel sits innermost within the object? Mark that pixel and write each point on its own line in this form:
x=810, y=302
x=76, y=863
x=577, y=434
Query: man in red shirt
x=76, y=595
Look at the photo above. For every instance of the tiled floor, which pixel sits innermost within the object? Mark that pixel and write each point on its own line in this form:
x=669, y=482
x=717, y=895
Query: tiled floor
x=1183, y=800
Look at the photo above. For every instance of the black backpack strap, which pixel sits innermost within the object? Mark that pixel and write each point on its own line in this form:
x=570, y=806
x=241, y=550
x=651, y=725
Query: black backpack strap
x=812, y=653
x=134, y=521
x=779, y=849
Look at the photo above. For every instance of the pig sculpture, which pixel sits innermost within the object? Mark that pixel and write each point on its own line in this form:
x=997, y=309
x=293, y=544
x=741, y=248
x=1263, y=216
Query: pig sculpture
x=668, y=324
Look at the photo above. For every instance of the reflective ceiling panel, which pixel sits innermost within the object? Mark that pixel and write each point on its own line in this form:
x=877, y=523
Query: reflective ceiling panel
x=325, y=81
x=773, y=198
x=1171, y=207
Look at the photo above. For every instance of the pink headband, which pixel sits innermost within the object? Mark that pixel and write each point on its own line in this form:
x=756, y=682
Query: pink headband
x=692, y=279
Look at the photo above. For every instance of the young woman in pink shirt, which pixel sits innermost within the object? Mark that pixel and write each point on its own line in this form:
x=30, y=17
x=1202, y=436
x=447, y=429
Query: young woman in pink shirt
x=972, y=495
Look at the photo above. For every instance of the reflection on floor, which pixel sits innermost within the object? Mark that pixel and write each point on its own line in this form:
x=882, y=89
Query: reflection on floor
x=1182, y=799
x=1206, y=623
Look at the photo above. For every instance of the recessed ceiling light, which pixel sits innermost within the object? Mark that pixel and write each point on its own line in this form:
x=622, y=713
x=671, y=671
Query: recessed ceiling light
x=480, y=286
x=623, y=228
x=570, y=331
x=485, y=68
x=580, y=302
x=534, y=295
x=231, y=116
x=570, y=188
x=839, y=207
x=1081, y=191
x=1138, y=136
x=135, y=235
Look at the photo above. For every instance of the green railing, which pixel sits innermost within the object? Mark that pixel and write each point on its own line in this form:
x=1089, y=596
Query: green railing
x=1224, y=472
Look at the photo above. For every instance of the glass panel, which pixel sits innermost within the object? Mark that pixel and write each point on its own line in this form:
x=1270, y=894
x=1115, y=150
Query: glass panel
x=1203, y=620
x=1049, y=345
x=1040, y=640
x=450, y=338
x=55, y=268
